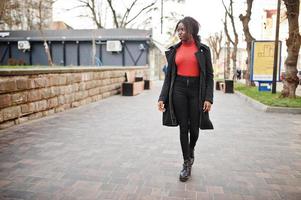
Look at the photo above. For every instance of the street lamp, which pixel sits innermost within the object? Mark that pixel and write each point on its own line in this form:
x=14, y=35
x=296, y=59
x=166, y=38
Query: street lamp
x=276, y=49
x=162, y=16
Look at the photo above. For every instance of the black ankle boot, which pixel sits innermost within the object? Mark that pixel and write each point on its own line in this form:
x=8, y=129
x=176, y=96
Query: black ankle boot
x=186, y=171
x=191, y=156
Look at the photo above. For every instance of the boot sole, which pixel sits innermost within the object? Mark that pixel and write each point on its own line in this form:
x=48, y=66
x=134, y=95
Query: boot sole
x=184, y=179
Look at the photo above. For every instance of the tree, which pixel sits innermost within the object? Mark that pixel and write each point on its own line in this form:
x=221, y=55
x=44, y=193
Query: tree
x=234, y=42
x=228, y=50
x=215, y=42
x=25, y=14
x=291, y=80
x=38, y=13
x=245, y=19
x=94, y=11
x=40, y=6
x=120, y=20
x=9, y=14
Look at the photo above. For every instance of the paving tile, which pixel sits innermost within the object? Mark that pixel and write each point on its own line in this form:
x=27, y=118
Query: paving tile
x=117, y=149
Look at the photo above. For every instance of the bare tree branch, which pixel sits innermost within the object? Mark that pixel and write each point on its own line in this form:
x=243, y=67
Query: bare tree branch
x=126, y=14
x=114, y=13
x=229, y=13
x=146, y=7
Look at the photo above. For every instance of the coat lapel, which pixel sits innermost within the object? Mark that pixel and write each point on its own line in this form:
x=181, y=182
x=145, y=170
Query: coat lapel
x=201, y=59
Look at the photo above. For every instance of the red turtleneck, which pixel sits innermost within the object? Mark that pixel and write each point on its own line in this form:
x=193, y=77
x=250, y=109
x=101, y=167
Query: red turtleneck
x=186, y=61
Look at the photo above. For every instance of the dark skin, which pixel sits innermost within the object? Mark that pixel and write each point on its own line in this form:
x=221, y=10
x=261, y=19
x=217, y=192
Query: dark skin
x=185, y=37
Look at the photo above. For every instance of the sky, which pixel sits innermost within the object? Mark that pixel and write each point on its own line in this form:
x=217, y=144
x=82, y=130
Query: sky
x=209, y=13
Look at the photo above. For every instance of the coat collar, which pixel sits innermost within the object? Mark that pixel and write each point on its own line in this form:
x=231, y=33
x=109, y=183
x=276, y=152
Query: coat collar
x=199, y=45
x=199, y=54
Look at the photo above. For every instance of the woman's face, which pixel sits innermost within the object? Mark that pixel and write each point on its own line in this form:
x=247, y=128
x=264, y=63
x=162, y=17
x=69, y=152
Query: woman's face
x=182, y=33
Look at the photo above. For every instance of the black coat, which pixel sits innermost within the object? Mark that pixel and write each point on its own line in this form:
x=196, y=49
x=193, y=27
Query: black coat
x=206, y=82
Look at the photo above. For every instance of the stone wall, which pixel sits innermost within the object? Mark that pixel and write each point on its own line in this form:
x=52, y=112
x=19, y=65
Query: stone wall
x=27, y=94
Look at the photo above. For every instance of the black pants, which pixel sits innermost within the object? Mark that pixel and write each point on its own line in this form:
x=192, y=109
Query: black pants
x=187, y=105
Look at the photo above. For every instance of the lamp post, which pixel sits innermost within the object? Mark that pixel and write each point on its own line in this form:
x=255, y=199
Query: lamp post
x=162, y=16
x=276, y=49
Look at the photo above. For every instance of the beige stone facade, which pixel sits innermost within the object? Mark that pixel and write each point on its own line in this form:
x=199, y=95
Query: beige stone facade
x=31, y=94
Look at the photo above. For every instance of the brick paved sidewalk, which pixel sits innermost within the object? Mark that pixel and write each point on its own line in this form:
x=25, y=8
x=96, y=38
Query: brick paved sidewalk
x=117, y=149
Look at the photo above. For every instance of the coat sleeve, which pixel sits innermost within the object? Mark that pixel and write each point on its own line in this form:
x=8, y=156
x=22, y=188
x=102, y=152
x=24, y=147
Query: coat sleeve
x=209, y=78
x=165, y=88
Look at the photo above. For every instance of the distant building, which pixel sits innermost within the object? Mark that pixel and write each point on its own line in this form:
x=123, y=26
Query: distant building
x=59, y=25
x=269, y=17
x=221, y=65
x=93, y=47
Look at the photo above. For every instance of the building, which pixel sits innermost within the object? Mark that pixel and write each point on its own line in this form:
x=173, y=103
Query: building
x=88, y=47
x=268, y=30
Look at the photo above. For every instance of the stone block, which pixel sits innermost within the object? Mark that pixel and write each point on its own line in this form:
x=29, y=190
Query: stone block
x=59, y=109
x=19, y=98
x=85, y=94
x=106, y=94
x=62, y=79
x=23, y=83
x=93, y=91
x=5, y=100
x=89, y=85
x=1, y=116
x=47, y=112
x=70, y=79
x=21, y=120
x=41, y=105
x=67, y=106
x=54, y=80
x=61, y=100
x=69, y=98
x=75, y=87
x=41, y=82
x=63, y=90
x=27, y=108
x=35, y=116
x=11, y=112
x=82, y=86
x=84, y=77
x=46, y=93
x=7, y=86
x=78, y=77
x=53, y=102
x=78, y=96
x=34, y=95
x=75, y=104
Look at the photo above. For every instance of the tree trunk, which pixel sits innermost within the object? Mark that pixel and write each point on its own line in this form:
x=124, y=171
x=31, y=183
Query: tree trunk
x=245, y=19
x=291, y=80
x=247, y=74
x=50, y=63
x=234, y=59
x=228, y=60
x=235, y=42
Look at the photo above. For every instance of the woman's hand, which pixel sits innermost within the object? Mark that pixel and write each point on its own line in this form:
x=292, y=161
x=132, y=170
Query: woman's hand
x=207, y=106
x=161, y=106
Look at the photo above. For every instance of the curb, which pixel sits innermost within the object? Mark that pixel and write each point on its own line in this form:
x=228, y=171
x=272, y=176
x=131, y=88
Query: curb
x=270, y=109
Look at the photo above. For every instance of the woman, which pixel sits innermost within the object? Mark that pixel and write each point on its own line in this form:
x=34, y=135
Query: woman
x=187, y=92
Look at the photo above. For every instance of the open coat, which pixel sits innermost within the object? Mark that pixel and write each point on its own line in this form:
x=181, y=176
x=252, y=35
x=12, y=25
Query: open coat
x=206, y=83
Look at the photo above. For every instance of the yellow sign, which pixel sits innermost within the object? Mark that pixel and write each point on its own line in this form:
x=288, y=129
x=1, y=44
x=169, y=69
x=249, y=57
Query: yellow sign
x=263, y=60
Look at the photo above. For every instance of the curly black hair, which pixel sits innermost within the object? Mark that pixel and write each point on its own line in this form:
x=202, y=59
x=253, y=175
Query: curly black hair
x=191, y=25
